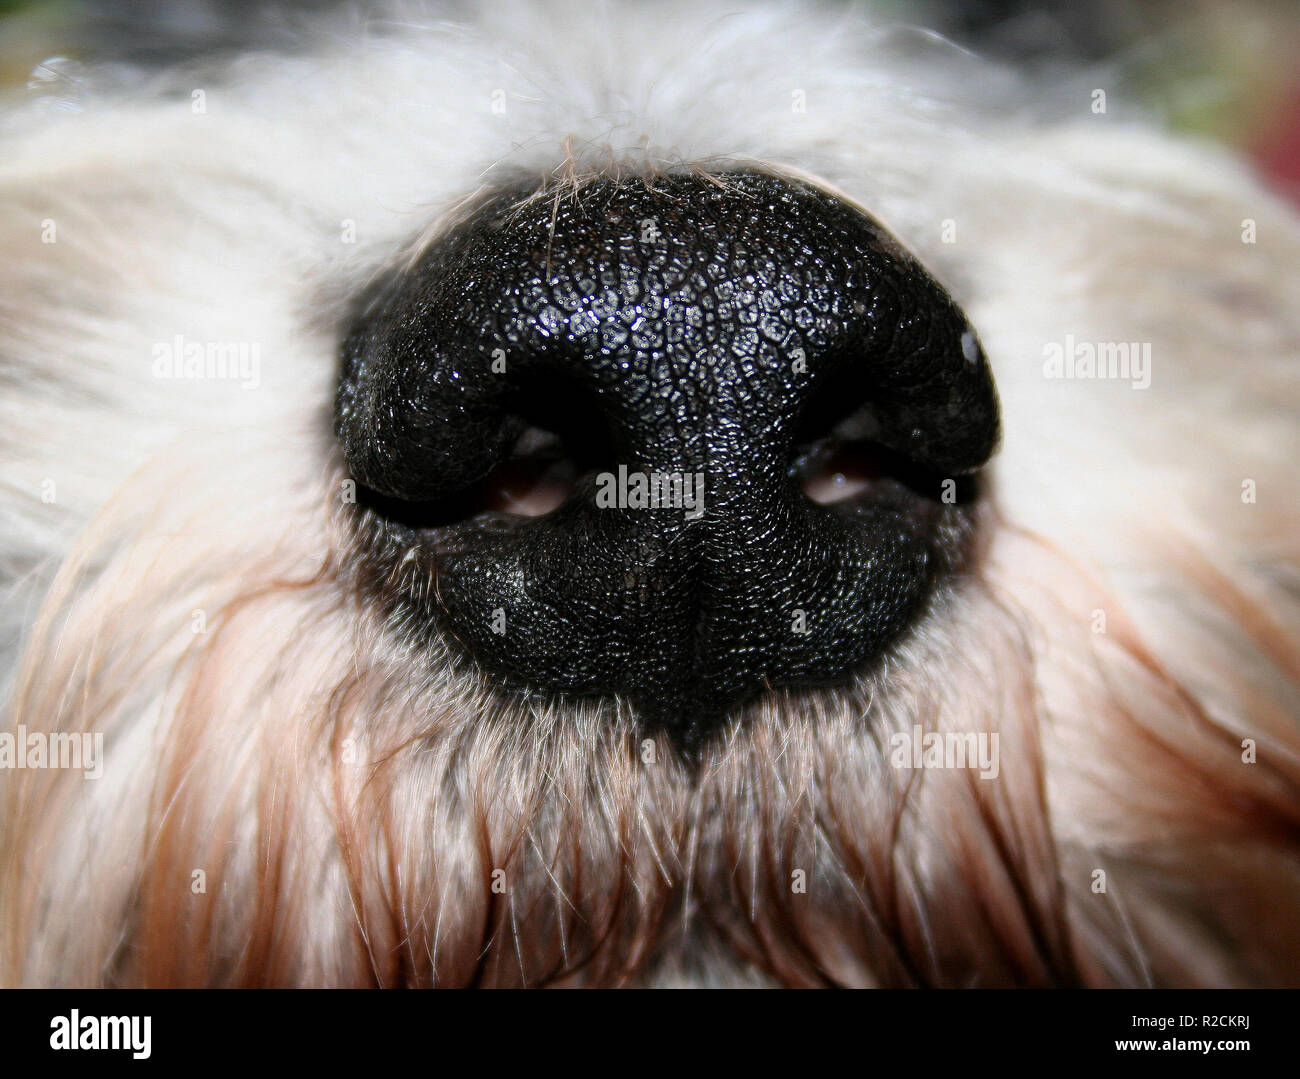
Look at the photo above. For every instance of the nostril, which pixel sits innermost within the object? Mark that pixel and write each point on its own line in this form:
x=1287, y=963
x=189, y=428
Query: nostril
x=839, y=473
x=558, y=438
x=539, y=476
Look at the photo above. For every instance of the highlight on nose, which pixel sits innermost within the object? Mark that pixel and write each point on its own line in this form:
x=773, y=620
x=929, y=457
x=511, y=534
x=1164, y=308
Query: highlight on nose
x=675, y=439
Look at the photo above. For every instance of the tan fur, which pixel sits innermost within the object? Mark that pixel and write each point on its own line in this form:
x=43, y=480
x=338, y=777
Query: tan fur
x=349, y=817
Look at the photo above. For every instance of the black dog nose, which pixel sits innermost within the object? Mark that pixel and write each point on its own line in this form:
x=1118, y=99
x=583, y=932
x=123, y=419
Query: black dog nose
x=701, y=339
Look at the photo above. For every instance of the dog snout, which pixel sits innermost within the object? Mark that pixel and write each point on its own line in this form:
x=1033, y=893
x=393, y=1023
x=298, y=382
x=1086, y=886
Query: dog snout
x=756, y=416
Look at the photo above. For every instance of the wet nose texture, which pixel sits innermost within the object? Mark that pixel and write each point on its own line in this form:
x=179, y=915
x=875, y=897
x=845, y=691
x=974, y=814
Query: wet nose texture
x=682, y=335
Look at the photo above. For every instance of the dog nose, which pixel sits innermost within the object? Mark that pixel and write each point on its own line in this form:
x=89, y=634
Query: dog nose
x=700, y=346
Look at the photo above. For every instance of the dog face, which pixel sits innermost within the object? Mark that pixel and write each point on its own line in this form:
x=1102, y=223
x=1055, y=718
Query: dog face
x=653, y=497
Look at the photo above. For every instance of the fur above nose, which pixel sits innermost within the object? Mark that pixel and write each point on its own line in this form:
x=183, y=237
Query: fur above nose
x=693, y=339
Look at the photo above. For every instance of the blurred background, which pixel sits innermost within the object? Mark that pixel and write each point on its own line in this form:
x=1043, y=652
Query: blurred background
x=1225, y=69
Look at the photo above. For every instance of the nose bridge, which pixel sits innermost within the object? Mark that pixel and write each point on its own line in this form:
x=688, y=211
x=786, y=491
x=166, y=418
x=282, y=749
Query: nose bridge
x=696, y=412
x=687, y=345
